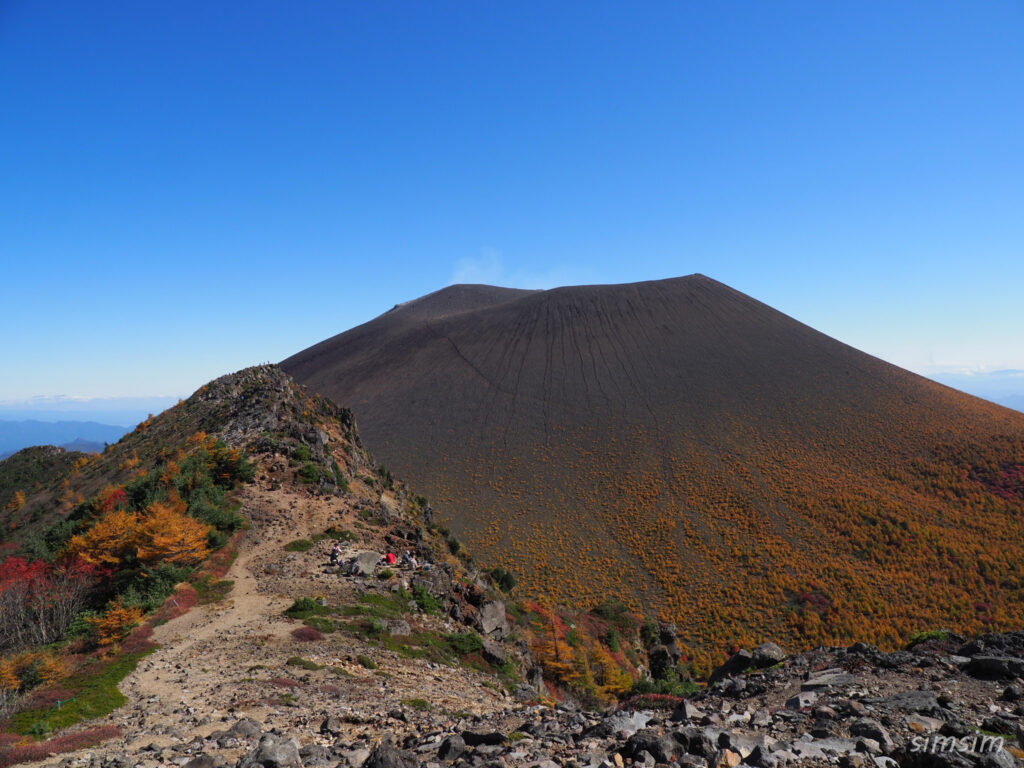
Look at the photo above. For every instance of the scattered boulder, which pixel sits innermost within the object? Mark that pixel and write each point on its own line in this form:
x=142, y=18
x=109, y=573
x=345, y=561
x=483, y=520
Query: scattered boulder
x=387, y=755
x=651, y=741
x=493, y=620
x=273, y=751
x=493, y=653
x=246, y=728
x=724, y=758
x=491, y=739
x=332, y=726
x=767, y=655
x=737, y=663
x=872, y=729
x=315, y=756
x=364, y=564
x=995, y=667
x=451, y=748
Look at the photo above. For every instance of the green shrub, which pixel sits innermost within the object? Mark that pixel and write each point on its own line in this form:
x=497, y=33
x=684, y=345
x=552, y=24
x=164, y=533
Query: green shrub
x=426, y=601
x=299, y=545
x=210, y=591
x=464, y=643
x=673, y=684
x=504, y=580
x=96, y=695
x=301, y=453
x=931, y=634
x=366, y=661
x=298, y=661
x=309, y=473
x=421, y=704
x=320, y=624
x=305, y=607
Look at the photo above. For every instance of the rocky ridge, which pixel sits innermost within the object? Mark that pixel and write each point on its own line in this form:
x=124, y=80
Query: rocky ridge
x=941, y=703
x=244, y=681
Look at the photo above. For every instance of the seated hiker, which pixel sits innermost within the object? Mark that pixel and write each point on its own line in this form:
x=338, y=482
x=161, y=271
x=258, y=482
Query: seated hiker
x=390, y=558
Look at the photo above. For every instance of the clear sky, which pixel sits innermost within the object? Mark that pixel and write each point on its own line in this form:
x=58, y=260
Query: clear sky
x=188, y=188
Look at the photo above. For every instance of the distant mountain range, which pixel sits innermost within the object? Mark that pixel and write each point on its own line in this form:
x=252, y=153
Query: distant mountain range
x=1003, y=387
x=684, y=447
x=86, y=436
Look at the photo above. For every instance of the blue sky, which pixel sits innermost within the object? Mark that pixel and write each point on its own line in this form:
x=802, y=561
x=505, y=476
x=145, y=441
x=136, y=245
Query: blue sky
x=189, y=188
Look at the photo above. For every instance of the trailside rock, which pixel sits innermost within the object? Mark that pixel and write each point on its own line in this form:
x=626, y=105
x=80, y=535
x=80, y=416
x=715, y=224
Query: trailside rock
x=246, y=728
x=451, y=748
x=649, y=740
x=767, y=655
x=364, y=563
x=273, y=751
x=490, y=739
x=738, y=662
x=493, y=621
x=387, y=755
x=995, y=667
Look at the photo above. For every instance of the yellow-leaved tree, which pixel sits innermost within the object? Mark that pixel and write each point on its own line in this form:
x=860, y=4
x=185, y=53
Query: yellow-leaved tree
x=163, y=533
x=166, y=534
x=109, y=541
x=17, y=501
x=114, y=625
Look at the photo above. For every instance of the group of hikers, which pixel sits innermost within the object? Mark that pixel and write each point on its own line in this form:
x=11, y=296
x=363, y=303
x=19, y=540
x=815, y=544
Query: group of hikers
x=389, y=560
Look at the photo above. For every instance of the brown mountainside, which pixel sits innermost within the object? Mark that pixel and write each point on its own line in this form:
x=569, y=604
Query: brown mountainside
x=695, y=451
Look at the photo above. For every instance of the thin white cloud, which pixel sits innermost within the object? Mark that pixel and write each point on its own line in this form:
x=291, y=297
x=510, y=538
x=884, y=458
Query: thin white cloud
x=489, y=267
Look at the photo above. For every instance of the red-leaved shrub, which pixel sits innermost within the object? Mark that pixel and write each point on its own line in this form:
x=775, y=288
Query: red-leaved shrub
x=67, y=743
x=306, y=634
x=284, y=682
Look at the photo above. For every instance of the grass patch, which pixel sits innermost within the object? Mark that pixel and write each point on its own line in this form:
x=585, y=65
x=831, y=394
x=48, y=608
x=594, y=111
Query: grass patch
x=299, y=545
x=421, y=704
x=305, y=607
x=366, y=662
x=95, y=695
x=385, y=606
x=425, y=601
x=931, y=634
x=420, y=645
x=320, y=624
x=464, y=643
x=298, y=661
x=210, y=590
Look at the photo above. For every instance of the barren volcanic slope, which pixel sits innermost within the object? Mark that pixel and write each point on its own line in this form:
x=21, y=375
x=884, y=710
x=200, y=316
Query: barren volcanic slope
x=696, y=452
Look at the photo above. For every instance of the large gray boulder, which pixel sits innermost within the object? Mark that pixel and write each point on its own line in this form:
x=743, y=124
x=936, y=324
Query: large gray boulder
x=995, y=667
x=737, y=663
x=364, y=564
x=493, y=621
x=387, y=755
x=767, y=655
x=451, y=748
x=273, y=751
x=246, y=728
x=661, y=748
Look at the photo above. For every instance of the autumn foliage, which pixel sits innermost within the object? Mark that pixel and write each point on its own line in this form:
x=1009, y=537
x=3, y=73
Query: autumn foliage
x=116, y=623
x=38, y=600
x=163, y=533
